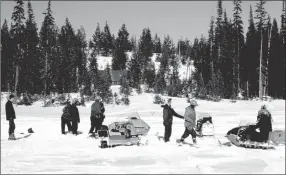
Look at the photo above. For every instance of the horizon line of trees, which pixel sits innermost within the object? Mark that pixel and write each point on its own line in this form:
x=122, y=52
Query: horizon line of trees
x=227, y=61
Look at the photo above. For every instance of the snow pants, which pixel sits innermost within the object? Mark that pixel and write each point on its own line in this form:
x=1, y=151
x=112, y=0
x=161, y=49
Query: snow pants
x=96, y=122
x=74, y=126
x=64, y=123
x=168, y=132
x=188, y=132
x=11, y=126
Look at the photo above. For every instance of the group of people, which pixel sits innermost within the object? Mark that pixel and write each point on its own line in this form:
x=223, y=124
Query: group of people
x=190, y=120
x=264, y=121
x=71, y=118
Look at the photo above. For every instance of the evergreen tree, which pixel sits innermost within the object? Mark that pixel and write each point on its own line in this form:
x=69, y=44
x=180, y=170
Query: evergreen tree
x=31, y=61
x=261, y=16
x=211, y=45
x=218, y=37
x=145, y=49
x=133, y=44
x=47, y=44
x=68, y=45
x=275, y=65
x=81, y=57
x=97, y=40
x=125, y=89
x=160, y=80
x=107, y=41
x=250, y=61
x=157, y=47
x=7, y=70
x=238, y=40
x=18, y=39
x=122, y=46
x=133, y=70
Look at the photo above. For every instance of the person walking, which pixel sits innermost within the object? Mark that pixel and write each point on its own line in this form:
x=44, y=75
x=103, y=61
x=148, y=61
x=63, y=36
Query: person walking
x=190, y=122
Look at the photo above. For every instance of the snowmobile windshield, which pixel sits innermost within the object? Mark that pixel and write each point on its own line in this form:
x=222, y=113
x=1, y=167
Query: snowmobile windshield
x=126, y=116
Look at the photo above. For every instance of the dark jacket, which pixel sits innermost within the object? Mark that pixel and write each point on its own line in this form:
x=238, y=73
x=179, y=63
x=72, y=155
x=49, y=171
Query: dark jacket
x=168, y=114
x=10, y=113
x=66, y=112
x=264, y=122
x=74, y=113
x=97, y=108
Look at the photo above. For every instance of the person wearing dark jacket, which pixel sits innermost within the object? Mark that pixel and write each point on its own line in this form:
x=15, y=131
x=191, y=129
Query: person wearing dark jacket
x=96, y=116
x=66, y=118
x=74, y=116
x=168, y=114
x=11, y=116
x=264, y=123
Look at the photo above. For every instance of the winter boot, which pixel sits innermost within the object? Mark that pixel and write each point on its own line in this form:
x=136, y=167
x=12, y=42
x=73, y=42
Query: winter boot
x=12, y=137
x=194, y=140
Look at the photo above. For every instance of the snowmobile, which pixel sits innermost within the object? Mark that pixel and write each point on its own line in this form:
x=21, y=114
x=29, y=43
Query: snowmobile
x=128, y=132
x=245, y=135
x=205, y=125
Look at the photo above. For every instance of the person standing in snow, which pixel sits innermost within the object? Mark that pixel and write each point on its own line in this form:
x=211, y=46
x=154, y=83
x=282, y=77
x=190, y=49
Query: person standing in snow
x=96, y=116
x=190, y=121
x=66, y=118
x=11, y=116
x=264, y=123
x=168, y=114
x=74, y=116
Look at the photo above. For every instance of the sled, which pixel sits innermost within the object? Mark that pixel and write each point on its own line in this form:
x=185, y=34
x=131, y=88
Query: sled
x=205, y=125
x=248, y=144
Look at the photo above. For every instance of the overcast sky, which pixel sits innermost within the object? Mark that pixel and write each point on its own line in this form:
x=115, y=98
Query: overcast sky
x=186, y=19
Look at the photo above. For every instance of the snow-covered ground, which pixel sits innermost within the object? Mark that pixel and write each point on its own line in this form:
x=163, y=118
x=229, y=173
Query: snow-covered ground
x=48, y=151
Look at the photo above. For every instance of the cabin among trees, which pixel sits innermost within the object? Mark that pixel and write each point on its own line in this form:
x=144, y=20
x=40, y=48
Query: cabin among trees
x=116, y=75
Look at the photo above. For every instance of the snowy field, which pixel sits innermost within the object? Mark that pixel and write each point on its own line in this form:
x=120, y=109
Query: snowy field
x=48, y=151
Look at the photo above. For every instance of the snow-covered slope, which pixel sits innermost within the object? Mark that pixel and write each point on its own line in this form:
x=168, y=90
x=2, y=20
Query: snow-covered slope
x=48, y=151
x=103, y=61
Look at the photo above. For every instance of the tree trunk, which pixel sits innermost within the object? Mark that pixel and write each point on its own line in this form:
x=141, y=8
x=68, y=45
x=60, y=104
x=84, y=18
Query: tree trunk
x=260, y=69
x=77, y=78
x=46, y=78
x=267, y=75
x=16, y=80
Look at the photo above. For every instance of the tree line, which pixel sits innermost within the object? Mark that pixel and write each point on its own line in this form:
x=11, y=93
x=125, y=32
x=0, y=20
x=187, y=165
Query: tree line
x=227, y=61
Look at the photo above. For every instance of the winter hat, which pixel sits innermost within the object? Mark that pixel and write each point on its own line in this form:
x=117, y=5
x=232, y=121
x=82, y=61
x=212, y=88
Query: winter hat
x=11, y=96
x=74, y=100
x=169, y=100
x=193, y=103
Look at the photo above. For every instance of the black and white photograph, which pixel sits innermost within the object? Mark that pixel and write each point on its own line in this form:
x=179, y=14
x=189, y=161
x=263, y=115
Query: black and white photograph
x=143, y=87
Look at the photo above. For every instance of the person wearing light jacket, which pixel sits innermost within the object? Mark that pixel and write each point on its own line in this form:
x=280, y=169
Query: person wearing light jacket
x=190, y=122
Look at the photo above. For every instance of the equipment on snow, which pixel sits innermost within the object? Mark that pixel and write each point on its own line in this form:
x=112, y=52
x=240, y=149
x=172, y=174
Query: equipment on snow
x=124, y=132
x=205, y=125
x=245, y=135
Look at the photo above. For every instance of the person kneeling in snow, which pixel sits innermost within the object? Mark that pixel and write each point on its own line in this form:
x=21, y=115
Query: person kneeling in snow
x=74, y=116
x=168, y=114
x=66, y=118
x=190, y=121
